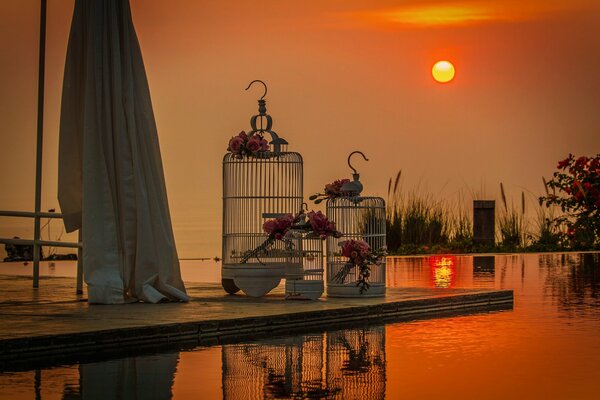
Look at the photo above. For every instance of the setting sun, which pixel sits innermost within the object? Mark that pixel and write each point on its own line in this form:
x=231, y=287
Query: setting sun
x=443, y=71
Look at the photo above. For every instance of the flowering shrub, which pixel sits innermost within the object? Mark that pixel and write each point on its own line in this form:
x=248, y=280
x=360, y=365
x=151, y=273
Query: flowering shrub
x=311, y=224
x=244, y=145
x=575, y=188
x=360, y=255
x=331, y=190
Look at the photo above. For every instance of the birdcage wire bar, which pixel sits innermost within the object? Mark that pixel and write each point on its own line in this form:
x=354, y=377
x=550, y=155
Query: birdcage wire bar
x=255, y=189
x=304, y=270
x=358, y=218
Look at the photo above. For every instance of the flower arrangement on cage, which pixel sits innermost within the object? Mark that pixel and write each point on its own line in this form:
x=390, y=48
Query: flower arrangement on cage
x=331, y=190
x=312, y=223
x=361, y=256
x=247, y=145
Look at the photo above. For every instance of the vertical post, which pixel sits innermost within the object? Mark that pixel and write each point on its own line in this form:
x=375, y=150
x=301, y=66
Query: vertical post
x=484, y=222
x=40, y=141
x=37, y=384
x=80, y=265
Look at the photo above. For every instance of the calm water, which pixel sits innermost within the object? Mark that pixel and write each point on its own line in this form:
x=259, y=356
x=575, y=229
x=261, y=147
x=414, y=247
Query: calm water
x=548, y=347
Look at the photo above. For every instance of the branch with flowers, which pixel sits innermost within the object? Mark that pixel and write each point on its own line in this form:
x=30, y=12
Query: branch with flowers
x=578, y=185
x=331, y=191
x=313, y=224
x=247, y=145
x=361, y=256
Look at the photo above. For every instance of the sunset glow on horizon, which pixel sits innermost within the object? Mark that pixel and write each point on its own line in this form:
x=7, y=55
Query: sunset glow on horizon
x=332, y=68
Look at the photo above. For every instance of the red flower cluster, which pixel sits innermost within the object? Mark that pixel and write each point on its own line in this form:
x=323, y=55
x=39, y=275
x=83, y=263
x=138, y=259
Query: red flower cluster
x=242, y=144
x=278, y=227
x=332, y=190
x=317, y=224
x=361, y=256
x=356, y=250
x=321, y=225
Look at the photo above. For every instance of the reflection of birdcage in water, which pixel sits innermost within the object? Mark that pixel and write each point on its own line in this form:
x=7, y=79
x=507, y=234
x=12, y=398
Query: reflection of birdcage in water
x=280, y=368
x=257, y=187
x=304, y=269
x=358, y=218
x=355, y=362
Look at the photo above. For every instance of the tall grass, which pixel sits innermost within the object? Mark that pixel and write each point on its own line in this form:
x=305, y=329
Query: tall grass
x=511, y=223
x=418, y=222
x=416, y=219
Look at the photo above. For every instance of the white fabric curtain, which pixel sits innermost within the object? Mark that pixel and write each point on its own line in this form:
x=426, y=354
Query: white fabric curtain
x=111, y=180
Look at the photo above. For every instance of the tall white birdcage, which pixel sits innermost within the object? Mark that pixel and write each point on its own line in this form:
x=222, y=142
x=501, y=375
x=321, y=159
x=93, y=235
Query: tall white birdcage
x=260, y=181
x=304, y=270
x=287, y=368
x=360, y=219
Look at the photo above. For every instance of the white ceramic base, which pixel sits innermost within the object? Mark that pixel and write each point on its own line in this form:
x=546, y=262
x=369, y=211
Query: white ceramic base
x=254, y=279
x=299, y=289
x=375, y=290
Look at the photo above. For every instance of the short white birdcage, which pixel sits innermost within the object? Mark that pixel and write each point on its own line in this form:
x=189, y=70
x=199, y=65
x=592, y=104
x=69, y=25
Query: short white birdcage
x=304, y=270
x=257, y=186
x=359, y=218
x=356, y=362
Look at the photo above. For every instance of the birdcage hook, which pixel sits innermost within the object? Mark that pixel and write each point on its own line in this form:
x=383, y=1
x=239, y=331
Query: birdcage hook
x=264, y=84
x=350, y=156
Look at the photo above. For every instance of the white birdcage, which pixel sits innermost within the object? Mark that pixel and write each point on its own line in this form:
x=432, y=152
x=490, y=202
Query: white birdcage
x=358, y=218
x=256, y=187
x=304, y=270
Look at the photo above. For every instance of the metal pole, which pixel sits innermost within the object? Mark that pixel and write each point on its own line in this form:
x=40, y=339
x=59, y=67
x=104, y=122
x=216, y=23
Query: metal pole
x=40, y=141
x=80, y=266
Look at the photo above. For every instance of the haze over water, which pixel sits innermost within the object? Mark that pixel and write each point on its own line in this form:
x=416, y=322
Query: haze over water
x=342, y=75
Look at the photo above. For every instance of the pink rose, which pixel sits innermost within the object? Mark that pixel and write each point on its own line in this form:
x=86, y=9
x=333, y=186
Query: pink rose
x=278, y=227
x=253, y=143
x=243, y=135
x=235, y=144
x=334, y=188
x=319, y=223
x=264, y=145
x=270, y=226
x=356, y=250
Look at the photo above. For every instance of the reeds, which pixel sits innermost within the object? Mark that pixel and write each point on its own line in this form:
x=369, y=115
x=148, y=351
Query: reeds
x=417, y=222
x=511, y=223
x=416, y=219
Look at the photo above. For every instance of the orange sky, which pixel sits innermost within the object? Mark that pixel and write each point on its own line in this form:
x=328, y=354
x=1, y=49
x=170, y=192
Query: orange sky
x=342, y=75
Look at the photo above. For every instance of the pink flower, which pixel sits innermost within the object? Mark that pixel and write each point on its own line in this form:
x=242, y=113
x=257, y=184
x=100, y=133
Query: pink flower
x=253, y=143
x=243, y=135
x=356, y=250
x=563, y=164
x=270, y=226
x=334, y=188
x=278, y=227
x=264, y=145
x=235, y=144
x=320, y=224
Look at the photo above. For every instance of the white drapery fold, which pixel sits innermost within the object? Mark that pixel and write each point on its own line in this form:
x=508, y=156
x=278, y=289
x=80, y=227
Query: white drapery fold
x=111, y=180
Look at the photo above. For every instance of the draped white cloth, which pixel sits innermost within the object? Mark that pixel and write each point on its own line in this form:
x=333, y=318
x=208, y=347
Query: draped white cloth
x=111, y=180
